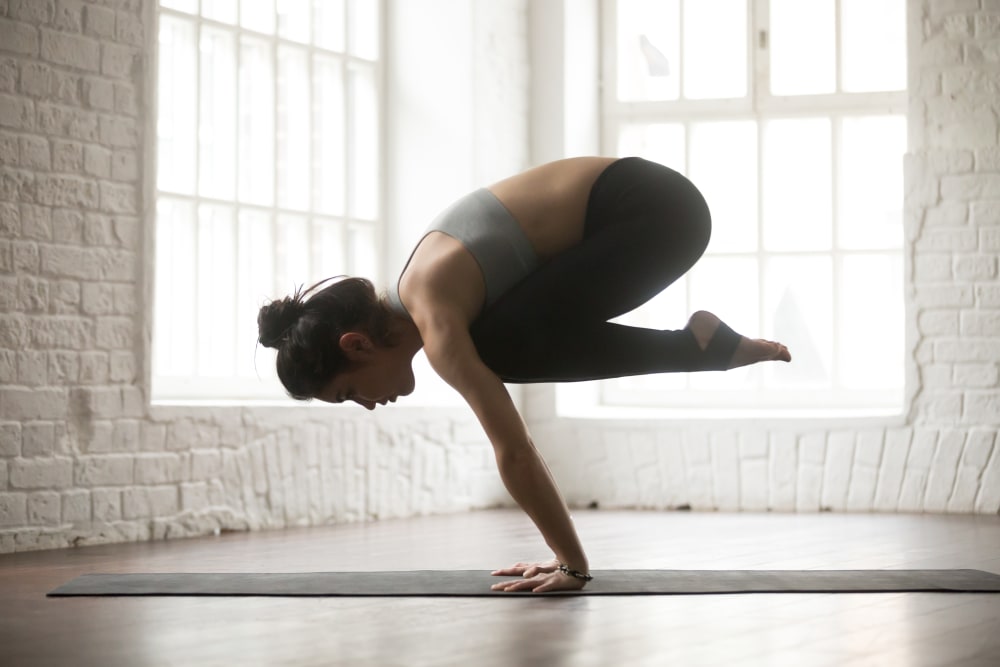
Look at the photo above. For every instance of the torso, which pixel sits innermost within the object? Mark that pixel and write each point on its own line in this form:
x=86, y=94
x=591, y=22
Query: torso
x=548, y=202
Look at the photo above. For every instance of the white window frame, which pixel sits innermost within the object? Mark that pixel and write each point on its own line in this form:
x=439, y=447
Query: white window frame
x=359, y=235
x=758, y=105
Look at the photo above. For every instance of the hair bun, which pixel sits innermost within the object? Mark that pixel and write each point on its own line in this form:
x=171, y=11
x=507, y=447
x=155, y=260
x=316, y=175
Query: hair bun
x=276, y=320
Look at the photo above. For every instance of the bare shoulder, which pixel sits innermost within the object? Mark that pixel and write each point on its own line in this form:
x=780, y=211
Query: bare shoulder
x=442, y=280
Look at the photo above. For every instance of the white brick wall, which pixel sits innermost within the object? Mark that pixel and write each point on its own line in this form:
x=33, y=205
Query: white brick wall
x=943, y=457
x=83, y=457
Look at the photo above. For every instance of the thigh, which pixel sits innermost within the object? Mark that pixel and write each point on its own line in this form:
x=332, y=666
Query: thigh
x=646, y=226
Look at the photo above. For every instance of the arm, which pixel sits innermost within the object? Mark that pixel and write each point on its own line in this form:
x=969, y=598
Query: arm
x=453, y=356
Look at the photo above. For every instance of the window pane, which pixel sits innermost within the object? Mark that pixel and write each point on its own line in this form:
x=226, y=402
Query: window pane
x=256, y=286
x=803, y=47
x=328, y=26
x=291, y=250
x=659, y=142
x=293, y=20
x=873, y=34
x=328, y=91
x=364, y=151
x=871, y=182
x=798, y=311
x=724, y=167
x=223, y=11
x=361, y=251
x=648, y=49
x=256, y=122
x=174, y=320
x=715, y=49
x=293, y=164
x=363, y=35
x=257, y=15
x=175, y=128
x=797, y=184
x=217, y=133
x=870, y=331
x=189, y=6
x=216, y=307
x=727, y=286
x=328, y=249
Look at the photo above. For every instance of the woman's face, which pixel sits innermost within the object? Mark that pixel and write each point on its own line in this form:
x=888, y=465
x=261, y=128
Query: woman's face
x=379, y=377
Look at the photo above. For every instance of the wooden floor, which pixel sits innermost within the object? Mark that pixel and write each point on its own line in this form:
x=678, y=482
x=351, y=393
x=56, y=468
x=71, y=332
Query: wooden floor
x=850, y=630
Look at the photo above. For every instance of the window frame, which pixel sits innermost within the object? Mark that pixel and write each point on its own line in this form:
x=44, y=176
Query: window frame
x=263, y=386
x=758, y=105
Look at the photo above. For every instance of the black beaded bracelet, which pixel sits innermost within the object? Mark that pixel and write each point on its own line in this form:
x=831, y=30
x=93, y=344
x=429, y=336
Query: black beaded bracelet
x=574, y=573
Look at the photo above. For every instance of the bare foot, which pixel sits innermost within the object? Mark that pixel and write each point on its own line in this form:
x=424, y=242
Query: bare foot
x=749, y=351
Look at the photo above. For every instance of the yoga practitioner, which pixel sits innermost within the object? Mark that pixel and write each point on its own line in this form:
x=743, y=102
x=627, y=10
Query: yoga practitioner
x=516, y=283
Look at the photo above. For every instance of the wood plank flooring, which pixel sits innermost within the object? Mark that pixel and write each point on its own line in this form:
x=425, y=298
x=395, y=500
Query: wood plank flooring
x=853, y=630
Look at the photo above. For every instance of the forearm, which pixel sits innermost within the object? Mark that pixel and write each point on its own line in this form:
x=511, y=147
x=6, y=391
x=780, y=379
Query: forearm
x=531, y=485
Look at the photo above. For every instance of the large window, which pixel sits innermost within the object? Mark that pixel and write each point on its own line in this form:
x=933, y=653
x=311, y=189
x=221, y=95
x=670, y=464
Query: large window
x=267, y=175
x=789, y=116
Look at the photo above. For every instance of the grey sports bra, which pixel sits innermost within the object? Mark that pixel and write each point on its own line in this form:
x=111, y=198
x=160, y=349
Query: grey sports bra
x=488, y=230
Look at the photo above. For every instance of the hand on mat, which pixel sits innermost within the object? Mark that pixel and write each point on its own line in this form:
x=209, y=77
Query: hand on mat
x=537, y=578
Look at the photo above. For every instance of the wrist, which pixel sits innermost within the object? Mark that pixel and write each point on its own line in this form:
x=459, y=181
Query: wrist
x=582, y=575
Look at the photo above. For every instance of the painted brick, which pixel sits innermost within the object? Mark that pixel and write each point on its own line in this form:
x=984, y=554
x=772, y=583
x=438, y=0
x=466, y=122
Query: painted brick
x=837, y=470
x=13, y=506
x=982, y=407
x=194, y=496
x=99, y=438
x=70, y=50
x=152, y=436
x=76, y=506
x=66, y=121
x=117, y=61
x=16, y=112
x=938, y=322
x=977, y=375
x=3, y=475
x=967, y=350
x=987, y=296
x=944, y=296
x=95, y=370
x=67, y=225
x=24, y=404
x=44, y=508
x=10, y=439
x=975, y=267
x=941, y=478
x=143, y=503
x=125, y=436
x=32, y=294
x=989, y=239
x=122, y=366
x=18, y=37
x=975, y=323
x=985, y=212
x=8, y=71
x=106, y=504
x=726, y=468
x=104, y=470
x=41, y=473
x=158, y=468
x=98, y=22
x=38, y=439
x=34, y=152
x=114, y=333
x=100, y=229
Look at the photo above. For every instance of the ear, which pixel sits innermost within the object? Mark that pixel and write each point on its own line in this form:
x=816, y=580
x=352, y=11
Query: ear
x=356, y=346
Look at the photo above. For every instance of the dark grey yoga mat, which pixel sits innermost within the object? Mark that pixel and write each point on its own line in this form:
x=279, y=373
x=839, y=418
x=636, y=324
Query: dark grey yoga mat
x=476, y=583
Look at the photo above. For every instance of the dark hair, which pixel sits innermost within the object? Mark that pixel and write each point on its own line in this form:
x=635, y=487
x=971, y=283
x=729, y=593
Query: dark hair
x=306, y=331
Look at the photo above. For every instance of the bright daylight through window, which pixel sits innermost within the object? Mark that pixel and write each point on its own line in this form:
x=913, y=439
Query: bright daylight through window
x=267, y=176
x=789, y=115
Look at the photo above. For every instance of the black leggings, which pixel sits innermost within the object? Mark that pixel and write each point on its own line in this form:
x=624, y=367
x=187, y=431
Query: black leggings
x=646, y=225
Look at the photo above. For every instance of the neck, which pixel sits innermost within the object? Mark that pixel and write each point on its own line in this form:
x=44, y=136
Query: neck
x=407, y=335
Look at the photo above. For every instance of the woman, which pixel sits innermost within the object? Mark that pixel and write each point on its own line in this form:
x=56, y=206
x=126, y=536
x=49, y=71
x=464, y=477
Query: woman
x=516, y=283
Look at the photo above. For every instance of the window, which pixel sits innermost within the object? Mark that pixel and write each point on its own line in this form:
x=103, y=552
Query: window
x=268, y=139
x=790, y=118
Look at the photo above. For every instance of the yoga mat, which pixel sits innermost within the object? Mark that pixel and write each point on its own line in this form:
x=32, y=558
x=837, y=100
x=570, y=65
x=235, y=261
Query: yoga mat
x=476, y=583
